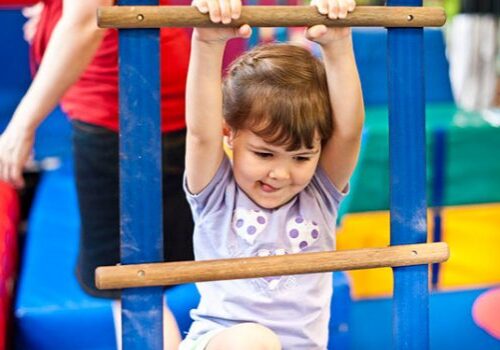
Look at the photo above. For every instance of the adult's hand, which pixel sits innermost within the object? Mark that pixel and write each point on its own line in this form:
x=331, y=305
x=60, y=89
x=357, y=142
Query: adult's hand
x=16, y=144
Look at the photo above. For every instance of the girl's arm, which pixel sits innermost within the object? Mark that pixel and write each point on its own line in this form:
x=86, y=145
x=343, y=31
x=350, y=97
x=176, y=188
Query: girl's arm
x=204, y=149
x=340, y=154
x=72, y=45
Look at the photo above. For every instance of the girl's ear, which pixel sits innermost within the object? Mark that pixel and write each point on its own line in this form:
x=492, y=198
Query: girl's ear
x=228, y=134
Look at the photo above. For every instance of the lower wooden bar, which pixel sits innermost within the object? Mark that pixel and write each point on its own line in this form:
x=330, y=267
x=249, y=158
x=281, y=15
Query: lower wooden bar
x=160, y=274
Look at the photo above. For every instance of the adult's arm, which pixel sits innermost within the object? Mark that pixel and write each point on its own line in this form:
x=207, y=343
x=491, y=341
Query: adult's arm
x=71, y=47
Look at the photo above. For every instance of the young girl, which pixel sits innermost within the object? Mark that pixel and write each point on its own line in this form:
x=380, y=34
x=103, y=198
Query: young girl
x=294, y=128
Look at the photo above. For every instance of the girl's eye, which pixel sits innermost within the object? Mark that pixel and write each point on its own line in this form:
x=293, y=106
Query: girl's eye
x=263, y=154
x=302, y=159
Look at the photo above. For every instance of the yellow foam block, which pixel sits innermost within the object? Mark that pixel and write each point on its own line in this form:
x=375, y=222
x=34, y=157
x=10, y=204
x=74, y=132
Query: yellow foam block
x=472, y=232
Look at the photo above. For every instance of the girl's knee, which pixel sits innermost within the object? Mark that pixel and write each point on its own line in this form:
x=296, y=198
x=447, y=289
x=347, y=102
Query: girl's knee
x=245, y=336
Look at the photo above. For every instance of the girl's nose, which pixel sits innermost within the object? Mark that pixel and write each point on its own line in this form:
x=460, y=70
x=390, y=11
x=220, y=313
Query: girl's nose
x=279, y=173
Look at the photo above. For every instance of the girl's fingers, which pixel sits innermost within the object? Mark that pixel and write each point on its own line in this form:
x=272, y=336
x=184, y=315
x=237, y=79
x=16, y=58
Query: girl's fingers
x=214, y=10
x=219, y=10
x=351, y=5
x=321, y=5
x=333, y=9
x=225, y=10
x=201, y=5
x=343, y=8
x=235, y=8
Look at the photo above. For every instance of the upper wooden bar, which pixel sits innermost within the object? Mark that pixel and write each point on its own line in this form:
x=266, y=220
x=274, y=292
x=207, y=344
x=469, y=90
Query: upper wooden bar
x=159, y=274
x=269, y=16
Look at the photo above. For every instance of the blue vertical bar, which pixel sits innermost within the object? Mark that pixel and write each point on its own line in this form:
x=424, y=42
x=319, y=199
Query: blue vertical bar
x=407, y=192
x=140, y=179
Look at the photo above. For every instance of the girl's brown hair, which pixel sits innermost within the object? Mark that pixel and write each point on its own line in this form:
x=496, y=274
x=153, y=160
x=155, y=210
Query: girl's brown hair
x=279, y=92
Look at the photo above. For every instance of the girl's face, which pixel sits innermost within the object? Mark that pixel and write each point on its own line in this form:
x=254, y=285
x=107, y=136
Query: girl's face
x=270, y=175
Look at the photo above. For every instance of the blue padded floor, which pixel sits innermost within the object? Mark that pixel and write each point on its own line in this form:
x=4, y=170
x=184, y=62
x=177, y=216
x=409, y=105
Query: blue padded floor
x=51, y=310
x=451, y=323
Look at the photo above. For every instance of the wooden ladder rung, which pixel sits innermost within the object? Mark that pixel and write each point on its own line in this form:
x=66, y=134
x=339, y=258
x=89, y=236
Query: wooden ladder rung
x=161, y=274
x=269, y=16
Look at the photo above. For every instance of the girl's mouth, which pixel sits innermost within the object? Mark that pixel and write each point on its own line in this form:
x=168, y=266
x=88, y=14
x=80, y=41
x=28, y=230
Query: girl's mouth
x=266, y=187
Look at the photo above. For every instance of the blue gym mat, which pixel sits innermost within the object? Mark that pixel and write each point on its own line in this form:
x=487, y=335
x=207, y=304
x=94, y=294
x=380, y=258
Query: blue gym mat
x=451, y=323
x=51, y=310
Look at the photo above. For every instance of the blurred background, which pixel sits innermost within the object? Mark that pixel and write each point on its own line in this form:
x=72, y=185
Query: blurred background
x=43, y=307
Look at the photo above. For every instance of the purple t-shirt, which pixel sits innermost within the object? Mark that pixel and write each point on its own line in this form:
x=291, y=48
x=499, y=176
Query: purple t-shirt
x=229, y=224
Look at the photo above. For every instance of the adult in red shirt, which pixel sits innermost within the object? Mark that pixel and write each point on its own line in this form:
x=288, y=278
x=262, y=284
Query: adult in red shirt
x=76, y=65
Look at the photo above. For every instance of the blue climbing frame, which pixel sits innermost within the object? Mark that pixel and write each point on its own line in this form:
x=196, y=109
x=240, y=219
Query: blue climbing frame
x=405, y=66
x=140, y=171
x=140, y=179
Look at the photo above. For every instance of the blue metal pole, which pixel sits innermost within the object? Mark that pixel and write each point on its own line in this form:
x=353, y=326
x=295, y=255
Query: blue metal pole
x=407, y=192
x=140, y=179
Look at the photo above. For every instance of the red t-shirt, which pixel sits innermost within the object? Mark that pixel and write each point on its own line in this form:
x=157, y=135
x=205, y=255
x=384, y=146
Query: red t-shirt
x=94, y=97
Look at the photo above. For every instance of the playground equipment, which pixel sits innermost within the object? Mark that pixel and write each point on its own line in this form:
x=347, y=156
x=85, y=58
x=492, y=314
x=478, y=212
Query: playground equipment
x=269, y=16
x=140, y=153
x=163, y=274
